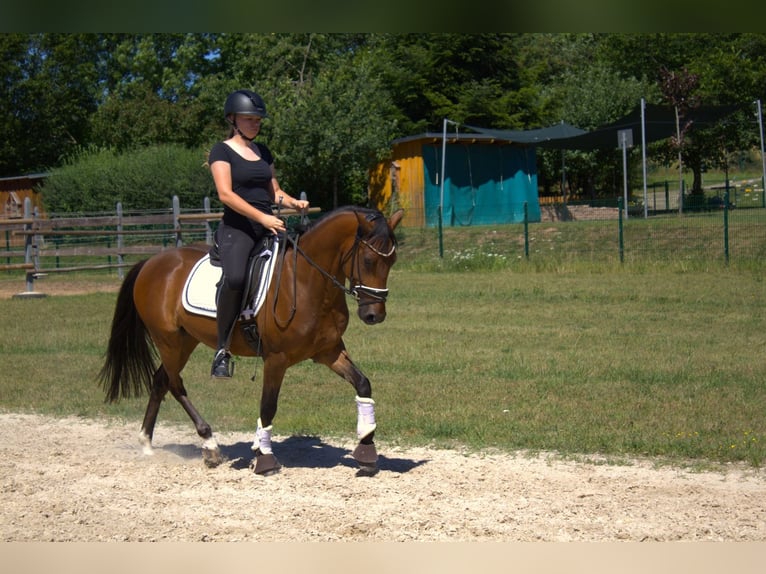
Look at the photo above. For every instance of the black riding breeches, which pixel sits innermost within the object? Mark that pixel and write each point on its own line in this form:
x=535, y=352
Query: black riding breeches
x=234, y=248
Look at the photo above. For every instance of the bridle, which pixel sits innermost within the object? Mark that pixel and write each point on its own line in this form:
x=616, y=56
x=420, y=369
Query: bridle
x=356, y=289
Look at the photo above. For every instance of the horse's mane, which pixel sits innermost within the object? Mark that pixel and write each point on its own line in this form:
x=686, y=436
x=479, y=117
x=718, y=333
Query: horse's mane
x=380, y=235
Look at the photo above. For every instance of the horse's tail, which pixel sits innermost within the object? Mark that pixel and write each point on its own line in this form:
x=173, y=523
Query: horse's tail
x=129, y=364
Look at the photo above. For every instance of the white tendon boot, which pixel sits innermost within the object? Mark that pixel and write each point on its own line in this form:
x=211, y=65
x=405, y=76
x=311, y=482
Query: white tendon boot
x=262, y=441
x=365, y=422
x=265, y=462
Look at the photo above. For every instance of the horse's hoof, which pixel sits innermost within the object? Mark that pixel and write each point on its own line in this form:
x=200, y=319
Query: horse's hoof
x=265, y=465
x=367, y=470
x=146, y=443
x=212, y=457
x=365, y=454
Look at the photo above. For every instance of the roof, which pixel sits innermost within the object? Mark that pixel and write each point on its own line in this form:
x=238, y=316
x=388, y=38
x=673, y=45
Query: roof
x=435, y=137
x=660, y=123
x=538, y=136
x=22, y=177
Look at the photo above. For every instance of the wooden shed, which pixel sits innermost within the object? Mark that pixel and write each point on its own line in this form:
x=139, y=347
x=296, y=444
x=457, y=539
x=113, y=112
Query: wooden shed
x=488, y=180
x=14, y=190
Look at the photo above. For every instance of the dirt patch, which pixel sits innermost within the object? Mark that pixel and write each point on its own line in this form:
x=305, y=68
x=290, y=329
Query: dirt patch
x=82, y=480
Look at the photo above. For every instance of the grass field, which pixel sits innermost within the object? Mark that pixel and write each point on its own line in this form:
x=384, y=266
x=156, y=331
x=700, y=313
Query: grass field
x=661, y=359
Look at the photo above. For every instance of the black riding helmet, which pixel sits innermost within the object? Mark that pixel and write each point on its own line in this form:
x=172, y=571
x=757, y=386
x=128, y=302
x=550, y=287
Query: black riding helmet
x=244, y=102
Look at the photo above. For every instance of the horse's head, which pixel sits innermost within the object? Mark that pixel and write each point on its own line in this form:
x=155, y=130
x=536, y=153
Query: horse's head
x=369, y=262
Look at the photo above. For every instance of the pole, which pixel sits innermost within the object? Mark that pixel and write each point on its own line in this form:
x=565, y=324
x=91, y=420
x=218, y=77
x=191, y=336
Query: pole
x=625, y=171
x=726, y=223
x=643, y=154
x=763, y=158
x=441, y=183
x=563, y=177
x=120, y=242
x=526, y=231
x=680, y=165
x=620, y=238
x=441, y=187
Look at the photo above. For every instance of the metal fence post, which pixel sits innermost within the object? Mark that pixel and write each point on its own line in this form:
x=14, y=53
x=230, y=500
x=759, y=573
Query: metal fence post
x=620, y=230
x=526, y=231
x=441, y=240
x=726, y=225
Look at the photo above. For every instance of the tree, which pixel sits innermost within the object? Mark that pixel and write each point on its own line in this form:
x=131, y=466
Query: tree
x=587, y=92
x=153, y=85
x=678, y=89
x=336, y=128
x=13, y=134
x=52, y=84
x=468, y=78
x=336, y=100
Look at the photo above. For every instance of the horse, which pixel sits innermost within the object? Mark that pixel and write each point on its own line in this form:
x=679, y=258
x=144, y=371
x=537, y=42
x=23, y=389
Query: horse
x=304, y=316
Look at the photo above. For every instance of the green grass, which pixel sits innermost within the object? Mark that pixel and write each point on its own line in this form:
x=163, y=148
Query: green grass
x=568, y=350
x=661, y=359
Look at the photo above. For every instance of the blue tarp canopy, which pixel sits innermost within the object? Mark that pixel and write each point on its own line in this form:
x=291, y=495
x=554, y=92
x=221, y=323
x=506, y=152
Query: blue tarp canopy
x=484, y=183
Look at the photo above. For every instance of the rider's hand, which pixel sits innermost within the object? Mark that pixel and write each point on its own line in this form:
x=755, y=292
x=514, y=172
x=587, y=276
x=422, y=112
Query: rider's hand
x=275, y=224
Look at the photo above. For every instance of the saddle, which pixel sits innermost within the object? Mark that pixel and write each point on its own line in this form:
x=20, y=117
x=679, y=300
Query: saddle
x=200, y=293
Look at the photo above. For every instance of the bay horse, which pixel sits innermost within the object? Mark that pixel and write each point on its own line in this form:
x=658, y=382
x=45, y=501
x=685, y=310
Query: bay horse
x=303, y=316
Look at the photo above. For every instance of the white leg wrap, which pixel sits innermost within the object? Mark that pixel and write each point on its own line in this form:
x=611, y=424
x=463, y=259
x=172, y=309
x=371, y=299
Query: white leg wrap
x=263, y=438
x=146, y=443
x=210, y=444
x=365, y=422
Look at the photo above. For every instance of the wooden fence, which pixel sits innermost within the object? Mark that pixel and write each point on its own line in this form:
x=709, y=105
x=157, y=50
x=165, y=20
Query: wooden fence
x=38, y=245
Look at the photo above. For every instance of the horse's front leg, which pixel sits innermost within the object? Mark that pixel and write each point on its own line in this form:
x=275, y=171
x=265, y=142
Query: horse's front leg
x=364, y=453
x=265, y=462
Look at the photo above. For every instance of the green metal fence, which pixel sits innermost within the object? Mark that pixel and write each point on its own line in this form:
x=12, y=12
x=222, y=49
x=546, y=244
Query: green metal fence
x=717, y=231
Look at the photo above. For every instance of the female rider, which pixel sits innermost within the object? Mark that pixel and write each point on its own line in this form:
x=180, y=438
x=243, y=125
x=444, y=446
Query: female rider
x=244, y=177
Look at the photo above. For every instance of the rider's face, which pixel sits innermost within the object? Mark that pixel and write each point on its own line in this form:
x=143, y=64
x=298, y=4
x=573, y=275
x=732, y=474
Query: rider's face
x=249, y=124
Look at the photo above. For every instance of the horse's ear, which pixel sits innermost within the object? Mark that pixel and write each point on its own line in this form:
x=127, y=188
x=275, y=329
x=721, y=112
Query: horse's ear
x=394, y=220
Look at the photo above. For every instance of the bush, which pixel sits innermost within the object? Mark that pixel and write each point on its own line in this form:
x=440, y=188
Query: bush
x=94, y=180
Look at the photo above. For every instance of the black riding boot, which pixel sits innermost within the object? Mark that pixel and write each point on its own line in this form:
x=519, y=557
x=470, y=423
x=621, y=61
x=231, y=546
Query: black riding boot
x=228, y=309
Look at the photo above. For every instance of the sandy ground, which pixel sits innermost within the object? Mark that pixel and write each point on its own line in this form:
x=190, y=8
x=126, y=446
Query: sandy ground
x=82, y=480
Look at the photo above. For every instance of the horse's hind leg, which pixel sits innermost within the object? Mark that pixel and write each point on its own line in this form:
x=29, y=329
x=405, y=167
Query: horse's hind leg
x=159, y=390
x=163, y=382
x=211, y=454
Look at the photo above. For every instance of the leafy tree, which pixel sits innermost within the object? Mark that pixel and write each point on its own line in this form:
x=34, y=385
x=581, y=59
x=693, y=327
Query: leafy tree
x=587, y=93
x=52, y=83
x=153, y=85
x=13, y=129
x=336, y=100
x=467, y=78
x=334, y=131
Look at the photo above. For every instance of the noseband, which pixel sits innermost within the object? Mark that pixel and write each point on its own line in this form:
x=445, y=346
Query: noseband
x=360, y=289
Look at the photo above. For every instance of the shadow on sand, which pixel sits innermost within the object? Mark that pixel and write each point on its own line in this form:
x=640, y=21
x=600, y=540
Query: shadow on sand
x=297, y=452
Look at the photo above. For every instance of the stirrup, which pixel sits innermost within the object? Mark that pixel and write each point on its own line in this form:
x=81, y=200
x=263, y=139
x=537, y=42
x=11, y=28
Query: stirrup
x=223, y=365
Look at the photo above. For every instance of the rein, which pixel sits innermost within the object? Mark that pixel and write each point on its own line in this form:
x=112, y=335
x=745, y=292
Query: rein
x=355, y=290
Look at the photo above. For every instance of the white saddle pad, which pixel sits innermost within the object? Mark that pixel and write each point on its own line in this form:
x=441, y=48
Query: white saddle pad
x=200, y=289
